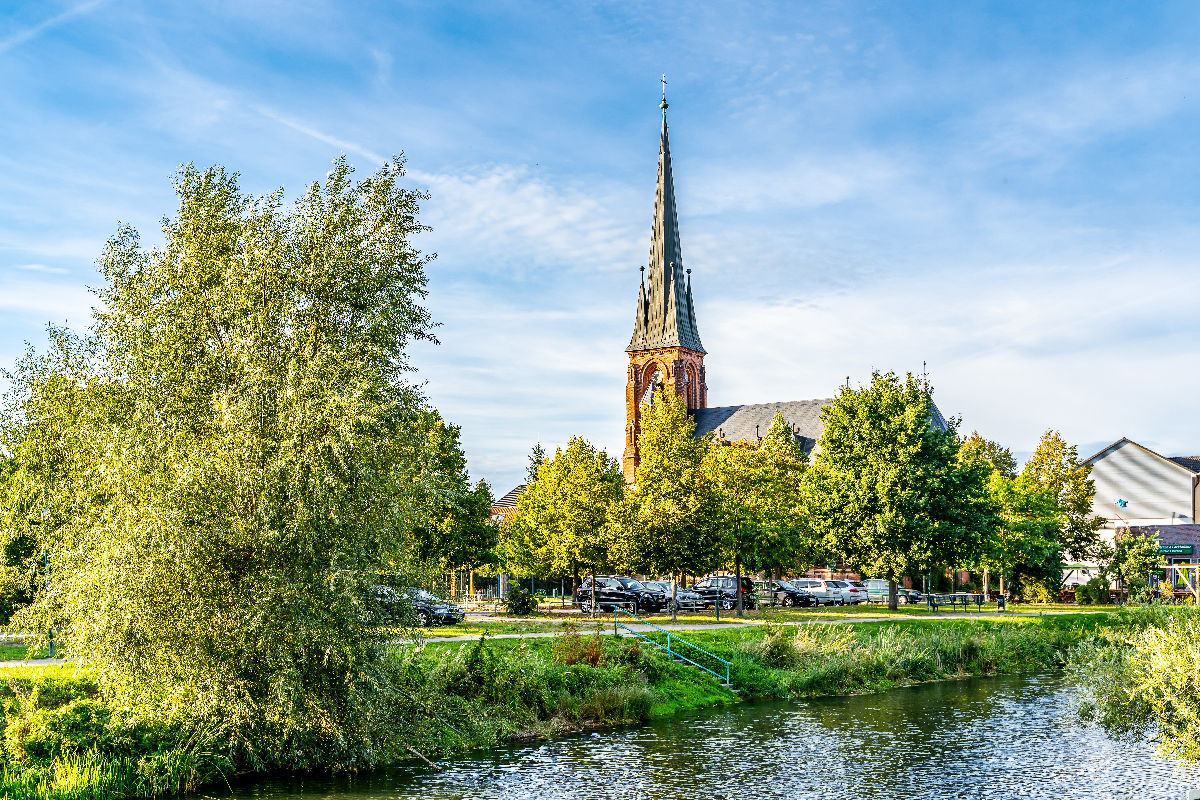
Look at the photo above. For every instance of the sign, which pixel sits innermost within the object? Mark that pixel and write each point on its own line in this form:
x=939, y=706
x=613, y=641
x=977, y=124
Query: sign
x=1175, y=549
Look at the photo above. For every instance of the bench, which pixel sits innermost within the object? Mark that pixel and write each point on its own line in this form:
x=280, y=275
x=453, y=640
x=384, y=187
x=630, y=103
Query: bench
x=958, y=600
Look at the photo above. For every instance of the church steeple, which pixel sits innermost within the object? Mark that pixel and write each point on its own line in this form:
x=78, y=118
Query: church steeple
x=666, y=318
x=665, y=353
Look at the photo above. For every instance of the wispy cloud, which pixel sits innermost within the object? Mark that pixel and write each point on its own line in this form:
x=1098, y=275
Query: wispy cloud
x=320, y=136
x=39, y=268
x=32, y=32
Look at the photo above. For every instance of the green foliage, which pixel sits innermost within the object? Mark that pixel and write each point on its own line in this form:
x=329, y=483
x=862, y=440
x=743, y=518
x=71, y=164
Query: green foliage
x=520, y=602
x=887, y=490
x=219, y=470
x=1143, y=677
x=1093, y=592
x=560, y=519
x=1025, y=545
x=759, y=492
x=669, y=522
x=1133, y=558
x=1055, y=465
x=998, y=457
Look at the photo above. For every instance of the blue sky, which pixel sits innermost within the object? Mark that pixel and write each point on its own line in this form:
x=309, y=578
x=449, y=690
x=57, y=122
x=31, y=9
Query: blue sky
x=1006, y=191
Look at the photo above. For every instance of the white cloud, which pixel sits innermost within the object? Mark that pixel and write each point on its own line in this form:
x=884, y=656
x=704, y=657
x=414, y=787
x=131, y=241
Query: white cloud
x=39, y=268
x=33, y=31
x=47, y=300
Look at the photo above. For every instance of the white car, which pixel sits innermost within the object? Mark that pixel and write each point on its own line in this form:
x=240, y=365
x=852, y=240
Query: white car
x=826, y=592
x=852, y=593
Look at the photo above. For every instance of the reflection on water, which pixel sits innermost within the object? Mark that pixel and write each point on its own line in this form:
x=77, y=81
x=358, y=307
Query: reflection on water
x=991, y=738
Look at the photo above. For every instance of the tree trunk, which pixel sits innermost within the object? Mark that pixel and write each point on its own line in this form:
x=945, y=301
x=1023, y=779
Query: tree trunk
x=737, y=568
x=986, y=585
x=893, y=595
x=674, y=599
x=574, y=578
x=594, y=609
x=471, y=585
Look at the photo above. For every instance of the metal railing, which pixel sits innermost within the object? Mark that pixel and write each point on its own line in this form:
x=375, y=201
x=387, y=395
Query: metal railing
x=672, y=645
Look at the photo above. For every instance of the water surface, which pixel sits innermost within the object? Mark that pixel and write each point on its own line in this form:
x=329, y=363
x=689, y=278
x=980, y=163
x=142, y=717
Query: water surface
x=987, y=738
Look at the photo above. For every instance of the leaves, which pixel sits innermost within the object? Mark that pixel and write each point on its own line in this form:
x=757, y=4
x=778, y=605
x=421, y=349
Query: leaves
x=223, y=466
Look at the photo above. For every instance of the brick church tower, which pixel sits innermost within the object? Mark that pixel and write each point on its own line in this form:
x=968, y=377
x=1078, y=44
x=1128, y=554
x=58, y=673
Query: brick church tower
x=665, y=351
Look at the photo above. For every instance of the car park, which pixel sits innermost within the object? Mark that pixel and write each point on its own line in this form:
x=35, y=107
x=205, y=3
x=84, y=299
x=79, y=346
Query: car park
x=851, y=594
x=618, y=591
x=786, y=594
x=877, y=592
x=722, y=590
x=683, y=598
x=826, y=592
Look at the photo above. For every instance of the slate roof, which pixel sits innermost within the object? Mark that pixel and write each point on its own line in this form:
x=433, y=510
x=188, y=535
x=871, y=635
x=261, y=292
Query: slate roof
x=665, y=315
x=735, y=423
x=1187, y=462
x=510, y=500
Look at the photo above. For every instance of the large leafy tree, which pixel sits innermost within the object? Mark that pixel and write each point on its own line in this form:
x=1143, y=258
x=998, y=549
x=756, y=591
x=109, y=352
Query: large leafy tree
x=1056, y=466
x=887, y=490
x=670, y=520
x=218, y=470
x=451, y=518
x=560, y=522
x=1025, y=544
x=759, y=498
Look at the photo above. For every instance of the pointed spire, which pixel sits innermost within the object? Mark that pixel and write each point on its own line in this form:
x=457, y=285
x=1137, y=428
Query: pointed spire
x=668, y=319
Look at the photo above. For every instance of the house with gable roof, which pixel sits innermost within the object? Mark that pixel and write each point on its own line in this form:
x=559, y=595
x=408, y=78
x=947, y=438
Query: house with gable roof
x=1140, y=491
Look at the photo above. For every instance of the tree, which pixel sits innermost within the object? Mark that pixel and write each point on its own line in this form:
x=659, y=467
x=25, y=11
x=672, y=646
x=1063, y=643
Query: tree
x=887, y=490
x=219, y=470
x=997, y=456
x=451, y=525
x=536, y=457
x=1025, y=542
x=669, y=522
x=1134, y=557
x=1056, y=466
x=561, y=518
x=759, y=491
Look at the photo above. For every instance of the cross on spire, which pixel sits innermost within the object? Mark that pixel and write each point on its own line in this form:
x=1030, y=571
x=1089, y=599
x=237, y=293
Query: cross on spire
x=663, y=105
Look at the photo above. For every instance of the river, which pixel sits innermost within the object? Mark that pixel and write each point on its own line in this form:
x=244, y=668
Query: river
x=986, y=738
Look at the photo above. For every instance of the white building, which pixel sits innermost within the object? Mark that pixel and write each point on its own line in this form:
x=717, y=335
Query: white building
x=1143, y=492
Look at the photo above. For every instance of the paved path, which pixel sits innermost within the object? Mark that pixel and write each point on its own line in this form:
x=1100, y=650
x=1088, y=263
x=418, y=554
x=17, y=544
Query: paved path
x=607, y=628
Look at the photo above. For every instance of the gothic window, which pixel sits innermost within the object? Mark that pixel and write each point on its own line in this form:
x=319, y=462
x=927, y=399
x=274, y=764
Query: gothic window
x=656, y=381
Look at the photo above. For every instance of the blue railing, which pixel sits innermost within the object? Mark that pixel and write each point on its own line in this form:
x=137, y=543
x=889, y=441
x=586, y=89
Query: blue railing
x=672, y=646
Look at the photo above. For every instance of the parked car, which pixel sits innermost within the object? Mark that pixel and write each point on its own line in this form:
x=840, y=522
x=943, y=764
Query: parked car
x=877, y=592
x=722, y=589
x=684, y=598
x=619, y=591
x=415, y=606
x=826, y=592
x=786, y=594
x=851, y=594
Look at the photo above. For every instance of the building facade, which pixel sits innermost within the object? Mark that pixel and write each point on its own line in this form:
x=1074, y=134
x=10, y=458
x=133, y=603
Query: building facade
x=1141, y=492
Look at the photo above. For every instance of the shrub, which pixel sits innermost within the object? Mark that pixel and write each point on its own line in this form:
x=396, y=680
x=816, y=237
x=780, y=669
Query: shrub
x=1094, y=591
x=520, y=602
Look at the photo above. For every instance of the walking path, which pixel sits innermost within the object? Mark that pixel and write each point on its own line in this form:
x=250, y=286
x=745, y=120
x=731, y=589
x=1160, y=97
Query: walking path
x=708, y=626
x=682, y=626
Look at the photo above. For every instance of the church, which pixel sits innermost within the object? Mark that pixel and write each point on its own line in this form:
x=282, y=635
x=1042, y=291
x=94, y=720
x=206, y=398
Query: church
x=665, y=351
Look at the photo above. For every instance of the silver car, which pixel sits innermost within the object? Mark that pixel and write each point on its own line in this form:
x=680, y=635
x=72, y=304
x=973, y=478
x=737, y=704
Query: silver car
x=826, y=592
x=852, y=592
x=684, y=599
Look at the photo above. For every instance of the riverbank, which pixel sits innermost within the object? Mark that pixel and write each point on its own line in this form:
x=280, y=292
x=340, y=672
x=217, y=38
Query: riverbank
x=505, y=689
x=63, y=742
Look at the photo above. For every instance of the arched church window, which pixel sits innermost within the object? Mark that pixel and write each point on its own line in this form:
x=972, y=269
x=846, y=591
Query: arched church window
x=656, y=381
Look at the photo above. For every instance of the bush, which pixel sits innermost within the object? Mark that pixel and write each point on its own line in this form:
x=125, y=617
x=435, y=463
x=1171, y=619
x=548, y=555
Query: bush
x=520, y=602
x=1094, y=591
